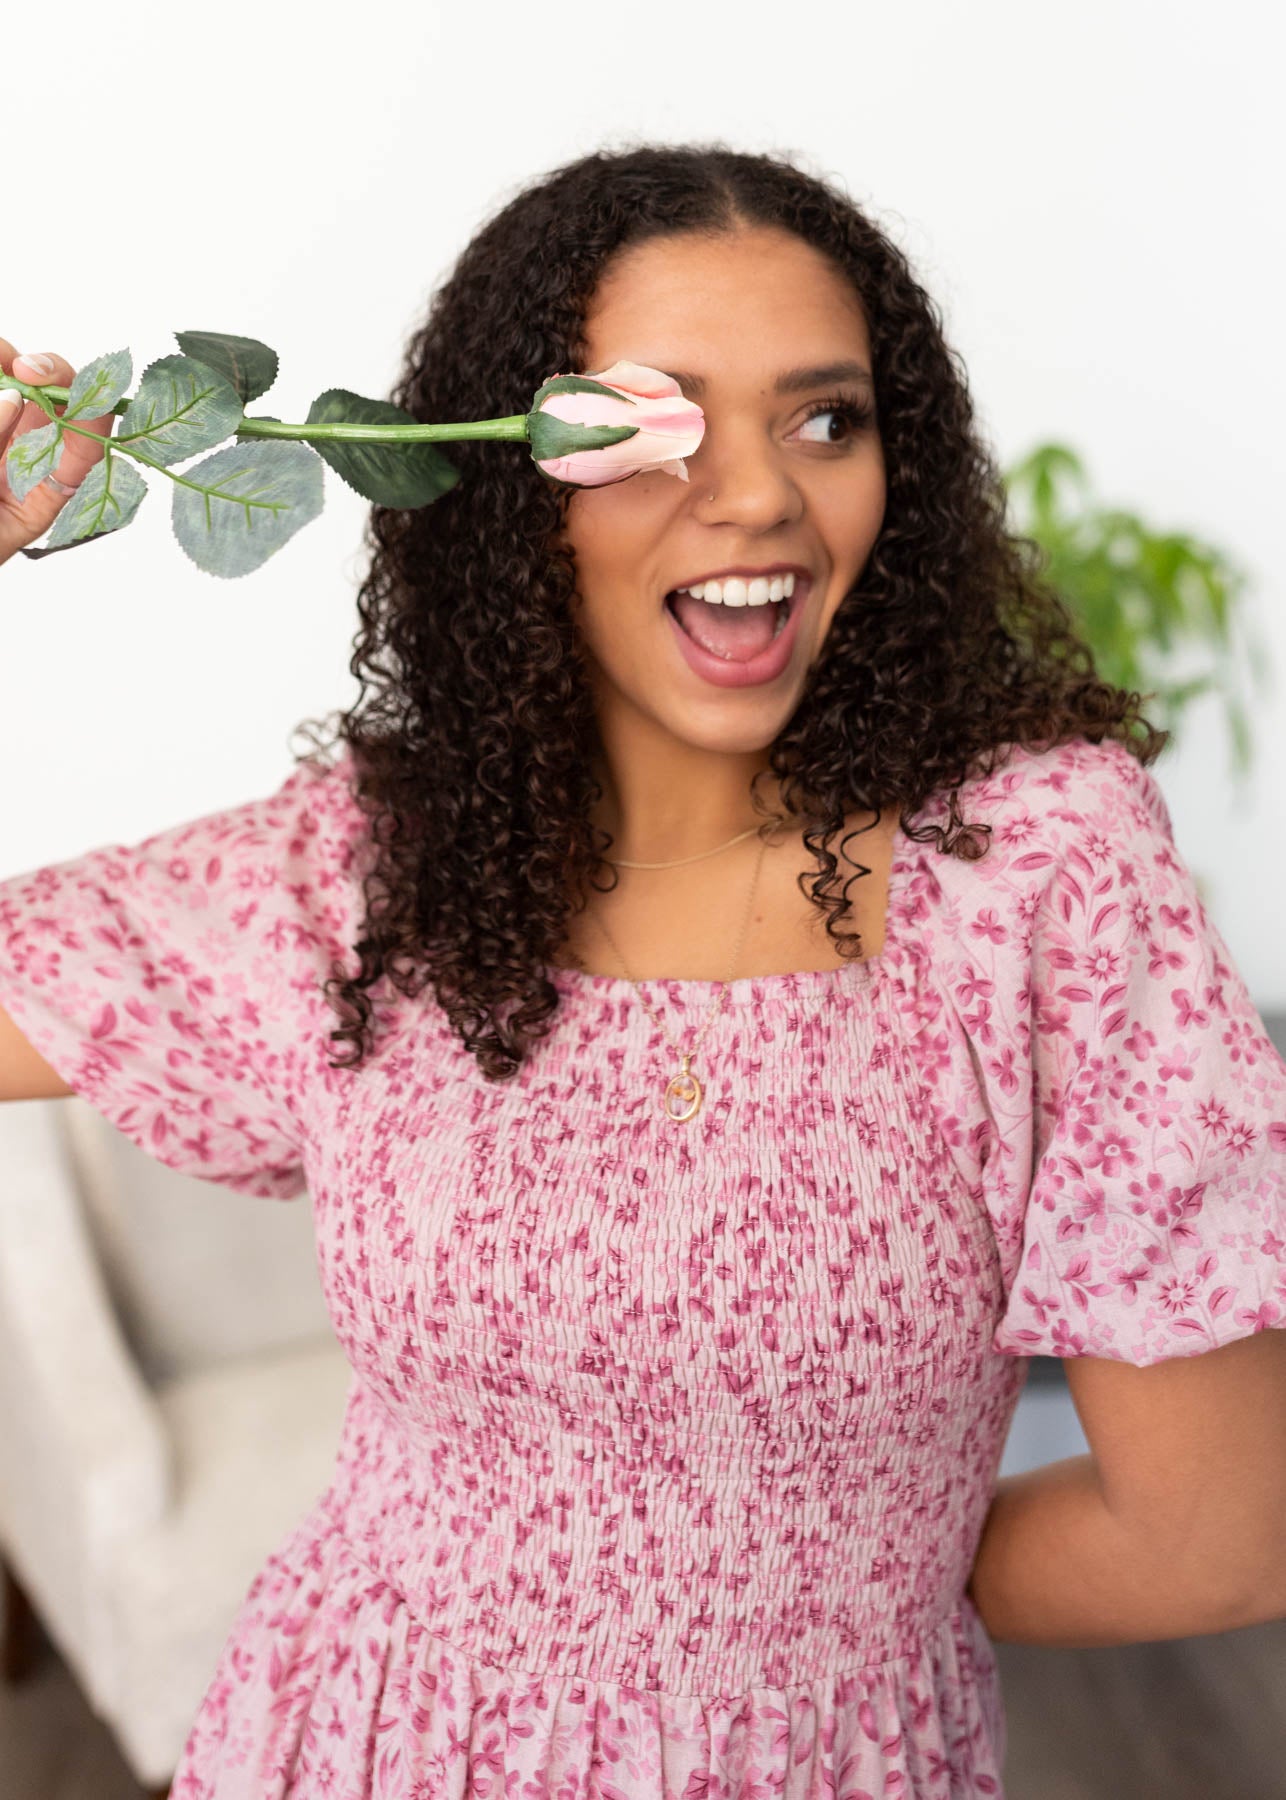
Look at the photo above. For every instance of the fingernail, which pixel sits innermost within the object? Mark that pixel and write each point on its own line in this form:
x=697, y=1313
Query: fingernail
x=43, y=365
x=10, y=397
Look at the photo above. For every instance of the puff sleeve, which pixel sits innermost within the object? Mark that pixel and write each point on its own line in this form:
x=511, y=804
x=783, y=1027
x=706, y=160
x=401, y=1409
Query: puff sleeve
x=174, y=984
x=1143, y=1095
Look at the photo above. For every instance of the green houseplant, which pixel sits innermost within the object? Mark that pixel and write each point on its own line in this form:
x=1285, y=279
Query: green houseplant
x=1161, y=610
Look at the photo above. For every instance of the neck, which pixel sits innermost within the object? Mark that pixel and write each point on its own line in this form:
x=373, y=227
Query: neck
x=665, y=805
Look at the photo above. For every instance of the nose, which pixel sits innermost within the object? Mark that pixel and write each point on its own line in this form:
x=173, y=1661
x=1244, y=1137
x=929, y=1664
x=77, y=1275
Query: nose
x=738, y=478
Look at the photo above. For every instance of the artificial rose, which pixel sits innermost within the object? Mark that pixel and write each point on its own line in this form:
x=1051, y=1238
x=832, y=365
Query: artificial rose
x=655, y=426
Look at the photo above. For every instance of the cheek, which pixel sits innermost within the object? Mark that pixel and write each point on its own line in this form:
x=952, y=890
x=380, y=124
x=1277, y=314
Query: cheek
x=617, y=537
x=601, y=543
x=609, y=621
x=850, y=525
x=855, y=508
x=600, y=517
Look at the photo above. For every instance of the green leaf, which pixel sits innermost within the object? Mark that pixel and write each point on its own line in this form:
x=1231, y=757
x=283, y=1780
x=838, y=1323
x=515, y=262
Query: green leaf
x=106, y=499
x=1239, y=730
x=250, y=366
x=550, y=437
x=99, y=385
x=238, y=507
x=577, y=384
x=57, y=550
x=180, y=407
x=1183, y=691
x=1038, y=476
x=31, y=458
x=406, y=475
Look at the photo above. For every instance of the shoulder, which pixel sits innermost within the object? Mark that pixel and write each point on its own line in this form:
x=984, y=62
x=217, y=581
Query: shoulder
x=1078, y=818
x=1063, y=791
x=303, y=848
x=307, y=827
x=1042, y=807
x=309, y=806
x=275, y=873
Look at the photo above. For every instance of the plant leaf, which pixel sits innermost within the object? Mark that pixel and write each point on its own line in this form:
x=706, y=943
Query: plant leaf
x=181, y=407
x=406, y=474
x=106, y=499
x=552, y=437
x=238, y=507
x=577, y=384
x=58, y=549
x=99, y=385
x=31, y=458
x=250, y=366
x=1239, y=731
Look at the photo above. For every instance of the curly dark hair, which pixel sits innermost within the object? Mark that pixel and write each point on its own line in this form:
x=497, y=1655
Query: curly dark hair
x=473, y=736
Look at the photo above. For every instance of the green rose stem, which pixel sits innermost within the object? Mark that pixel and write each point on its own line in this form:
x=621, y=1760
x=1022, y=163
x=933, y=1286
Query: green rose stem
x=513, y=427
x=238, y=506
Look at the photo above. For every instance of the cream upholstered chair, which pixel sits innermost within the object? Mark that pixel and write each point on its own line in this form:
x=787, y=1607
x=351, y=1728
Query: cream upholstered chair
x=171, y=1396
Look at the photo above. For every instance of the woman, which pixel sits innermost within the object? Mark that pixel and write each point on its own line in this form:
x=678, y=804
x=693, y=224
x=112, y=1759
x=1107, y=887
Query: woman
x=776, y=1043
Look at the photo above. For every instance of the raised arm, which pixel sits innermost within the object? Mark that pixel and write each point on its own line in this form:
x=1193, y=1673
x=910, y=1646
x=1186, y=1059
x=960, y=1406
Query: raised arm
x=22, y=522
x=24, y=1073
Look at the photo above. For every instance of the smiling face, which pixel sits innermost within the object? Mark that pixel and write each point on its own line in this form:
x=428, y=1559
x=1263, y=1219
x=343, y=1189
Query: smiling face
x=782, y=478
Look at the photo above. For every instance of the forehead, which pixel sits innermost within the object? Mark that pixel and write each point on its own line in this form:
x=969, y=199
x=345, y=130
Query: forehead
x=756, y=299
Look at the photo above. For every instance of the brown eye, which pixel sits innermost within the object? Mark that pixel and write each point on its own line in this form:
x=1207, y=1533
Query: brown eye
x=855, y=418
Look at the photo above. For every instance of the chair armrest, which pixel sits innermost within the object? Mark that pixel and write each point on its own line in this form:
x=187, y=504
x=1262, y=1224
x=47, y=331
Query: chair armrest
x=84, y=1455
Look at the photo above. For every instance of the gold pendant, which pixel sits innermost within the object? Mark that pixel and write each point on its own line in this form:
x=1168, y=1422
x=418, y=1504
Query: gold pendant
x=685, y=1087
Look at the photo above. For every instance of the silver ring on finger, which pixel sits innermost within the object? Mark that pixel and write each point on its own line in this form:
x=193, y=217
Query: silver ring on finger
x=60, y=487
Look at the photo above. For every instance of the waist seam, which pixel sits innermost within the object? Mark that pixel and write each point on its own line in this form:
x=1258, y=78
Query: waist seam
x=337, y=1527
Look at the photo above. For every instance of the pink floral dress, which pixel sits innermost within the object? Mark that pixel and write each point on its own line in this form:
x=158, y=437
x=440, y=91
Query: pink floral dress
x=668, y=1446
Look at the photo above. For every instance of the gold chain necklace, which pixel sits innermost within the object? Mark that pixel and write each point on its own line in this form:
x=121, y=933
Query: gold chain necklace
x=680, y=860
x=683, y=1085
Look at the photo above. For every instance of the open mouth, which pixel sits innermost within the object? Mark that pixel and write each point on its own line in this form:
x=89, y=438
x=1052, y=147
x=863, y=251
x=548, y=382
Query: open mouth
x=735, y=633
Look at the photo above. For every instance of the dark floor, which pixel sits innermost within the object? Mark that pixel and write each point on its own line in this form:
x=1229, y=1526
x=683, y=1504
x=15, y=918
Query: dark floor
x=1197, y=1719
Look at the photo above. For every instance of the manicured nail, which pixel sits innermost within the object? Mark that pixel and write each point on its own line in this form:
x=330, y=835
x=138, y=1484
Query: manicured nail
x=43, y=365
x=10, y=397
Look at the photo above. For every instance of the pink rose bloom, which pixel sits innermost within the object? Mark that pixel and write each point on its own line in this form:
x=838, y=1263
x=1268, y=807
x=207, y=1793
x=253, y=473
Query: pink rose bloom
x=668, y=427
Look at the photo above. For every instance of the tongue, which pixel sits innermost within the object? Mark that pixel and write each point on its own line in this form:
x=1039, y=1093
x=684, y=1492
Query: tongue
x=734, y=632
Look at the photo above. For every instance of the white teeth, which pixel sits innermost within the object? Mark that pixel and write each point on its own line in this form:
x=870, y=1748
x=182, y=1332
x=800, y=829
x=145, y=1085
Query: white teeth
x=736, y=591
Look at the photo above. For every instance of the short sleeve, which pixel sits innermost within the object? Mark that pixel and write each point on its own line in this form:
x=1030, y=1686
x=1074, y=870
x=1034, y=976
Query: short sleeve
x=1154, y=1222
x=175, y=984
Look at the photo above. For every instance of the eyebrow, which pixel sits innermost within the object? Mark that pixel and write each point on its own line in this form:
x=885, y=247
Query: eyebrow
x=790, y=381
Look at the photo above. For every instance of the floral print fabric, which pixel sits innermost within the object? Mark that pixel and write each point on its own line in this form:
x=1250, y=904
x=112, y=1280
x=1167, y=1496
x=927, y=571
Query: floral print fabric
x=1132, y=1141
x=668, y=1447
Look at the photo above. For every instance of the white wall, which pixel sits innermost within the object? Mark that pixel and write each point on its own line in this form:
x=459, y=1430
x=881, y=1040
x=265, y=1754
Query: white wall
x=1086, y=190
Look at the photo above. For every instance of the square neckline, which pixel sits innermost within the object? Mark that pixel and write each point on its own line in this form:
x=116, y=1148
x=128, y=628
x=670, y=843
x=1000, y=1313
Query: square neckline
x=749, y=990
